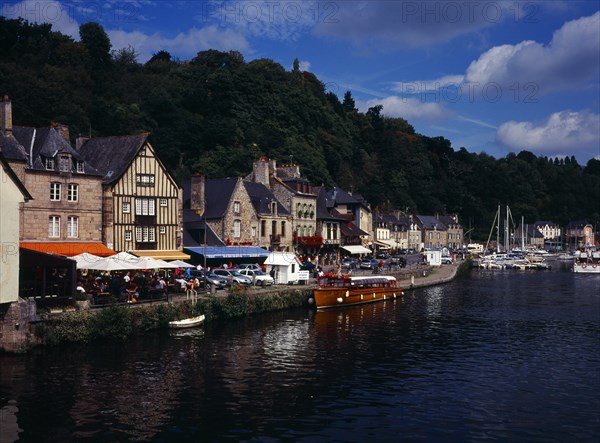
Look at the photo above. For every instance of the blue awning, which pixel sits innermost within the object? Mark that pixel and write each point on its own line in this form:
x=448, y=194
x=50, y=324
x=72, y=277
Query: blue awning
x=229, y=251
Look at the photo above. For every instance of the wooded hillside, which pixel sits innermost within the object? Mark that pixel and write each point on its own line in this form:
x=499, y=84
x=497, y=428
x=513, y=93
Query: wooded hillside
x=216, y=113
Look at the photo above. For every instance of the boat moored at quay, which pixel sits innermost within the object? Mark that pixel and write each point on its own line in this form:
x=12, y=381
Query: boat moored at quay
x=346, y=290
x=587, y=262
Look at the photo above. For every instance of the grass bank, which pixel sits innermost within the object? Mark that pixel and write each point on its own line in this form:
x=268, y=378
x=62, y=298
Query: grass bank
x=123, y=321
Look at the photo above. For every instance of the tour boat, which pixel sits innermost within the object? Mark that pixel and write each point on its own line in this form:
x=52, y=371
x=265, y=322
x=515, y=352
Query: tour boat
x=587, y=262
x=191, y=322
x=346, y=290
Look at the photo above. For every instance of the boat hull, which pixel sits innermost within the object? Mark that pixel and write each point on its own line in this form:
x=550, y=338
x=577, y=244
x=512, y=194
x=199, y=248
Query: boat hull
x=338, y=297
x=592, y=268
x=187, y=322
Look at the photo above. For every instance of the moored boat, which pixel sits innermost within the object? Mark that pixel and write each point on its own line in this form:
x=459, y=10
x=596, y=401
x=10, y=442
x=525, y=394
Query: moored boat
x=346, y=290
x=587, y=262
x=191, y=322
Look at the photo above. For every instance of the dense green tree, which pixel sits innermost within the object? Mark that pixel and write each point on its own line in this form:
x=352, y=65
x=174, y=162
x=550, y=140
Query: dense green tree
x=216, y=113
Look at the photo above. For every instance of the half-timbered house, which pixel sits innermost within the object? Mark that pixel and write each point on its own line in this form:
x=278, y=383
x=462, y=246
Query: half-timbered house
x=141, y=200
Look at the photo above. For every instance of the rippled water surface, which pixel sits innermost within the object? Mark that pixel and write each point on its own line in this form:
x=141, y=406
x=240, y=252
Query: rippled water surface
x=498, y=356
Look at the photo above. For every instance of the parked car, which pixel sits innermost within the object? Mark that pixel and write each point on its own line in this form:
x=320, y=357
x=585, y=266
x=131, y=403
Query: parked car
x=398, y=260
x=234, y=277
x=258, y=277
x=252, y=266
x=383, y=255
x=447, y=260
x=369, y=263
x=349, y=263
x=206, y=278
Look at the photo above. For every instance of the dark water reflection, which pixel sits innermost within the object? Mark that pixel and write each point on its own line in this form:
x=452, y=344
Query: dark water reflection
x=500, y=356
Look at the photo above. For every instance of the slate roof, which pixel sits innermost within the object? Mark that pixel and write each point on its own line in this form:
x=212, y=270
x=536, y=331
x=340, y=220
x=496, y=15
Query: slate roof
x=44, y=143
x=112, y=155
x=430, y=223
x=530, y=231
x=341, y=197
x=262, y=197
x=325, y=205
x=577, y=224
x=9, y=172
x=217, y=195
x=193, y=234
x=448, y=220
x=12, y=149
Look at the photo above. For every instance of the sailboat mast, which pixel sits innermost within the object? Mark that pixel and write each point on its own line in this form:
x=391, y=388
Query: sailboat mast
x=498, y=231
x=506, y=232
x=522, y=233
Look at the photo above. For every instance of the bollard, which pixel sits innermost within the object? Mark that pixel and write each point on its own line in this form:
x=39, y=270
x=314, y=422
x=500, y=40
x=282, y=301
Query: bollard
x=213, y=289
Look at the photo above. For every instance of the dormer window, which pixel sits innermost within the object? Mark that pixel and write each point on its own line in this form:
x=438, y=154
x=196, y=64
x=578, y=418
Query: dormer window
x=49, y=164
x=274, y=208
x=78, y=167
x=64, y=163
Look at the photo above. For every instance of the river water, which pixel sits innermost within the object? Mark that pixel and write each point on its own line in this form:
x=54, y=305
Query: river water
x=506, y=356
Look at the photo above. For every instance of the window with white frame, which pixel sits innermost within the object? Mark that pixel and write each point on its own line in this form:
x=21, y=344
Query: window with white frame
x=64, y=163
x=55, y=192
x=144, y=206
x=128, y=236
x=54, y=226
x=162, y=229
x=144, y=179
x=72, y=192
x=145, y=234
x=79, y=167
x=49, y=164
x=163, y=202
x=237, y=228
x=126, y=207
x=253, y=231
x=236, y=207
x=72, y=227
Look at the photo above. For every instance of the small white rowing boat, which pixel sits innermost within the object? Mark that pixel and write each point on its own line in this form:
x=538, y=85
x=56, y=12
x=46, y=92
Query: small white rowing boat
x=187, y=322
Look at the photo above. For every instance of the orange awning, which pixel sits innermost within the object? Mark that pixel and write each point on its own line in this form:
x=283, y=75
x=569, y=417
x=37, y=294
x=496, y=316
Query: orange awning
x=163, y=255
x=69, y=249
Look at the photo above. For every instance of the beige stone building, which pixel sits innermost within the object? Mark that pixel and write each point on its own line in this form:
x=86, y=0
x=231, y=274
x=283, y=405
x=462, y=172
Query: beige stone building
x=12, y=195
x=64, y=216
x=296, y=196
x=225, y=208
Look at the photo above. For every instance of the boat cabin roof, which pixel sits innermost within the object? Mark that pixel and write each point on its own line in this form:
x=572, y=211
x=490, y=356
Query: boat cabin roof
x=362, y=281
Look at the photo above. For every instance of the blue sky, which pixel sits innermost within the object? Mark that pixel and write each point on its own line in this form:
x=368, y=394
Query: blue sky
x=495, y=77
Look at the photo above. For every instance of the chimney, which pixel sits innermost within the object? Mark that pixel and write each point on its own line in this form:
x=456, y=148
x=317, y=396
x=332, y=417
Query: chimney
x=63, y=131
x=6, y=116
x=260, y=169
x=197, y=194
x=79, y=142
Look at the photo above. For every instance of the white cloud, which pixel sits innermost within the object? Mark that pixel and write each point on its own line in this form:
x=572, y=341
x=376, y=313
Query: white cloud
x=562, y=133
x=185, y=44
x=407, y=108
x=423, y=86
x=387, y=24
x=43, y=11
x=304, y=65
x=275, y=20
x=570, y=59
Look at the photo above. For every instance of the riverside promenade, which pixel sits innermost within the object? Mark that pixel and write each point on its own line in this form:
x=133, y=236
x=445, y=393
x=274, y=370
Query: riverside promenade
x=408, y=278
